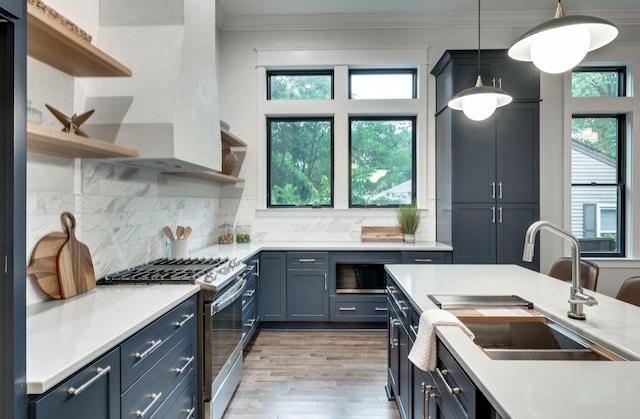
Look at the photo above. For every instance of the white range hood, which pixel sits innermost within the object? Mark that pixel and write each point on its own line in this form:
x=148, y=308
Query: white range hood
x=168, y=110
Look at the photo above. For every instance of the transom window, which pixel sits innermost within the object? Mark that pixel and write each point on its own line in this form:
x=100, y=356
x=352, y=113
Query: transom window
x=598, y=82
x=382, y=84
x=300, y=85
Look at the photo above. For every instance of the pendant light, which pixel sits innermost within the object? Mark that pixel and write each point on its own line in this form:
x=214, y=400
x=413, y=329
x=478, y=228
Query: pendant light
x=479, y=102
x=559, y=44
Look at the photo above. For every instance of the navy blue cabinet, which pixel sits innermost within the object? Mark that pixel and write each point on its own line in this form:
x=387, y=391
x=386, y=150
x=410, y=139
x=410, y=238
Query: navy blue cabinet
x=151, y=374
x=307, y=286
x=488, y=171
x=13, y=7
x=273, y=283
x=94, y=392
x=251, y=301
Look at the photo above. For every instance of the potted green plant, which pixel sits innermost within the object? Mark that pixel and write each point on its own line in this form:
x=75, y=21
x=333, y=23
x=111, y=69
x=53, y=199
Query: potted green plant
x=409, y=218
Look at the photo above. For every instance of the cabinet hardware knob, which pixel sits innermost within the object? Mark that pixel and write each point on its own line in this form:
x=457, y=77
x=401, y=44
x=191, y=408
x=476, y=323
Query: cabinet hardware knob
x=144, y=412
x=187, y=317
x=154, y=345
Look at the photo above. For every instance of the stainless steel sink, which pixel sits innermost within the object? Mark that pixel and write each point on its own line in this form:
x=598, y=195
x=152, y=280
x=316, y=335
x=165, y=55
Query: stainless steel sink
x=446, y=301
x=505, y=340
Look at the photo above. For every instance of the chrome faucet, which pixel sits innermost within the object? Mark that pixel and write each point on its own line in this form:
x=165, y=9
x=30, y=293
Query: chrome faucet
x=577, y=299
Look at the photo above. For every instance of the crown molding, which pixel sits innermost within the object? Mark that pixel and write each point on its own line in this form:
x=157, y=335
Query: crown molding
x=433, y=20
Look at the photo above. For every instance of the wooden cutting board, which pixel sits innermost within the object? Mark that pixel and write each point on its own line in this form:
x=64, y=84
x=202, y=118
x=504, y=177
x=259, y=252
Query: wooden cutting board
x=381, y=234
x=75, y=267
x=44, y=263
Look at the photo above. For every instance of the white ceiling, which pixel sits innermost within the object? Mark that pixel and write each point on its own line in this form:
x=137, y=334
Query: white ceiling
x=238, y=8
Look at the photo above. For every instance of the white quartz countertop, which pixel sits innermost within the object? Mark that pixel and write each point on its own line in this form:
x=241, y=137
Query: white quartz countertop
x=65, y=335
x=245, y=250
x=538, y=389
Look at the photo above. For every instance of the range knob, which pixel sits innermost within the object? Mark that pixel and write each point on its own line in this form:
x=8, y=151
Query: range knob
x=209, y=278
x=233, y=263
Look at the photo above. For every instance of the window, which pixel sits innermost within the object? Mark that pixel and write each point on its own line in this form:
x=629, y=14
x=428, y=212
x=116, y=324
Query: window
x=598, y=82
x=598, y=183
x=382, y=151
x=299, y=85
x=300, y=163
x=383, y=84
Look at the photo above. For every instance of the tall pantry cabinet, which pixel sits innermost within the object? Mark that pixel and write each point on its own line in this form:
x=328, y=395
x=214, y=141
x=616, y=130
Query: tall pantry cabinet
x=487, y=171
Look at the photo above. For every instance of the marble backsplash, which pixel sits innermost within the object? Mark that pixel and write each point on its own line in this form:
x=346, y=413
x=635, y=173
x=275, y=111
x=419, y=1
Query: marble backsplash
x=120, y=212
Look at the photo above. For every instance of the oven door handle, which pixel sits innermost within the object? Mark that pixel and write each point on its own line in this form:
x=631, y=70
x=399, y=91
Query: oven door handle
x=228, y=297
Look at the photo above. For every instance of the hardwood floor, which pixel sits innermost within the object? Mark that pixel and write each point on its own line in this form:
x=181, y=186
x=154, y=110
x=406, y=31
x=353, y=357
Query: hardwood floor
x=314, y=375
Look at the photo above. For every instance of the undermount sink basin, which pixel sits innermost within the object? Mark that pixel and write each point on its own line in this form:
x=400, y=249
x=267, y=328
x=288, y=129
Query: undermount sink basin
x=507, y=340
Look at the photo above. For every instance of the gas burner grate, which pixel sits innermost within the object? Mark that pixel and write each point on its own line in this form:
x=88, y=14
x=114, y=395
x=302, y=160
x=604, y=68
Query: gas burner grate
x=167, y=271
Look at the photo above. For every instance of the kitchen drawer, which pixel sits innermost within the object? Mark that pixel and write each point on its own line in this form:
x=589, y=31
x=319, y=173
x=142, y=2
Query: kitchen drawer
x=250, y=292
x=100, y=398
x=359, y=309
x=422, y=258
x=182, y=403
x=307, y=260
x=250, y=321
x=449, y=375
x=145, y=348
x=159, y=382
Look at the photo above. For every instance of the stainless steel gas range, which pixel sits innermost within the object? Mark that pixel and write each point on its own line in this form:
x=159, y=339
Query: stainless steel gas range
x=222, y=283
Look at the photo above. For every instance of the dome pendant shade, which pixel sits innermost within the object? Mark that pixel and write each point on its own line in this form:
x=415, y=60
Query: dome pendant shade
x=559, y=44
x=480, y=102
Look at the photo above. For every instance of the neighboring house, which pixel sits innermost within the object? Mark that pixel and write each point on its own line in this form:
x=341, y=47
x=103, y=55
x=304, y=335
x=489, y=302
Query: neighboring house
x=593, y=208
x=398, y=193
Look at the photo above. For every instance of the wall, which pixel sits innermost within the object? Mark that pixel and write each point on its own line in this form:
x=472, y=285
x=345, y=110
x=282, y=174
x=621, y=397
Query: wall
x=239, y=93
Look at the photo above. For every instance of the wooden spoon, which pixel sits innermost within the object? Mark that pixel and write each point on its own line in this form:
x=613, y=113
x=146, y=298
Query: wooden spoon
x=187, y=233
x=179, y=232
x=168, y=232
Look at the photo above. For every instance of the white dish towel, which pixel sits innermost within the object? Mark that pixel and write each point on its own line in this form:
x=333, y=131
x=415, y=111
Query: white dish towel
x=423, y=354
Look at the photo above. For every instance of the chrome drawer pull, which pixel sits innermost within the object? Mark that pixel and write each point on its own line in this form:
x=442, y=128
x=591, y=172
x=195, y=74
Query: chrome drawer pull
x=99, y=373
x=189, y=361
x=450, y=390
x=306, y=260
x=381, y=309
x=250, y=323
x=347, y=309
x=414, y=329
x=187, y=318
x=423, y=260
x=250, y=293
x=154, y=345
x=190, y=413
x=155, y=398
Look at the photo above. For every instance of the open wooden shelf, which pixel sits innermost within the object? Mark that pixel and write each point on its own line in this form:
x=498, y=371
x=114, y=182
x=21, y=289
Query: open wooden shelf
x=230, y=140
x=52, y=43
x=47, y=140
x=211, y=176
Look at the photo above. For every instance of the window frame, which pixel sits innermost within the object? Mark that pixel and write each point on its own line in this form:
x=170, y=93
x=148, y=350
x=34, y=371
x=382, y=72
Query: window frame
x=414, y=180
x=304, y=72
x=620, y=184
x=412, y=71
x=330, y=119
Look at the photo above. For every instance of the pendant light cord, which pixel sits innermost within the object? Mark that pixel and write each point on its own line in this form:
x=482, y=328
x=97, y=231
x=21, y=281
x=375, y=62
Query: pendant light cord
x=478, y=37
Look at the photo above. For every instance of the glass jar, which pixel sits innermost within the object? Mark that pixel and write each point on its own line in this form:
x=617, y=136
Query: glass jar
x=225, y=233
x=243, y=234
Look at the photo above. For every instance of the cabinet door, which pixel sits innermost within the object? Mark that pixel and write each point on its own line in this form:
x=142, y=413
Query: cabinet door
x=98, y=393
x=520, y=79
x=474, y=233
x=272, y=289
x=14, y=7
x=518, y=153
x=513, y=221
x=473, y=159
x=307, y=295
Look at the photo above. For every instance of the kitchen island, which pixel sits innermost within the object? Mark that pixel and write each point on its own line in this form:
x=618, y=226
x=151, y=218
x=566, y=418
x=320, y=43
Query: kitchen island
x=537, y=389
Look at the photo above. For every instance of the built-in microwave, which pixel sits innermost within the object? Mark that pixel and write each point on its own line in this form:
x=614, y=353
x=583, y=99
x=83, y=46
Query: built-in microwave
x=360, y=278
